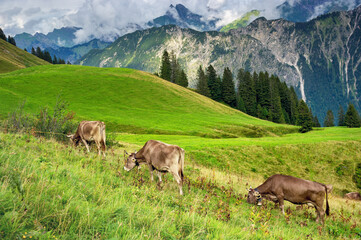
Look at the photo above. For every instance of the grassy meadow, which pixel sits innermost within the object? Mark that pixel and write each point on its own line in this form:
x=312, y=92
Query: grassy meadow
x=51, y=190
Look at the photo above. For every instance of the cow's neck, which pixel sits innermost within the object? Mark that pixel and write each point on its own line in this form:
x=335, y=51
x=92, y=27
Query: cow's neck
x=262, y=188
x=139, y=157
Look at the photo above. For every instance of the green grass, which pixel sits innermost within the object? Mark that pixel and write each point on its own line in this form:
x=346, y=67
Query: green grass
x=13, y=58
x=53, y=191
x=50, y=190
x=129, y=101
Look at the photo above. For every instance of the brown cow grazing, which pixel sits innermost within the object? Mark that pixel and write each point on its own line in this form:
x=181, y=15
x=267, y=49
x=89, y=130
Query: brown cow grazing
x=278, y=188
x=161, y=157
x=353, y=196
x=90, y=131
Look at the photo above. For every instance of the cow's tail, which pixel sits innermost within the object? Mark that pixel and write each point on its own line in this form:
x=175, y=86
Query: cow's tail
x=181, y=163
x=327, y=206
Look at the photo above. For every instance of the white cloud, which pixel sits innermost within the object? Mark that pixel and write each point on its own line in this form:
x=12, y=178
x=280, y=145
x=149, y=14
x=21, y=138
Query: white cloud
x=109, y=18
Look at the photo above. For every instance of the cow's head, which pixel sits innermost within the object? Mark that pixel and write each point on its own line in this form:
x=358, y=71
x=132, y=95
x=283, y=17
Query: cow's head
x=254, y=197
x=73, y=140
x=130, y=161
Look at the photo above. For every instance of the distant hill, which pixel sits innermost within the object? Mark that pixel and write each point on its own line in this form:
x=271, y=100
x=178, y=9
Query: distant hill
x=59, y=42
x=13, y=58
x=242, y=21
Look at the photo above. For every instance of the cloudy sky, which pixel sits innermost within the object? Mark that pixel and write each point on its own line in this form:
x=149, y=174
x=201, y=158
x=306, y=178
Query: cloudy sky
x=100, y=18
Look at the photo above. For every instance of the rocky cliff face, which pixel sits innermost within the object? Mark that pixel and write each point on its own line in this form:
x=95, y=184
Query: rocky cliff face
x=325, y=53
x=320, y=58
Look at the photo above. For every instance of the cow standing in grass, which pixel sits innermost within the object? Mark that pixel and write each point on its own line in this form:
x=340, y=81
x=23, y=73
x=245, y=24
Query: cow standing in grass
x=161, y=157
x=278, y=188
x=90, y=131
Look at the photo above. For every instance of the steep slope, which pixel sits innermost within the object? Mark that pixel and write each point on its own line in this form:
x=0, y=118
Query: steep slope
x=129, y=101
x=243, y=21
x=320, y=58
x=13, y=58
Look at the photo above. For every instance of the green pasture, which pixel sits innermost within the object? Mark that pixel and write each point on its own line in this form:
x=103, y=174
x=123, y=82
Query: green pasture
x=129, y=101
x=51, y=190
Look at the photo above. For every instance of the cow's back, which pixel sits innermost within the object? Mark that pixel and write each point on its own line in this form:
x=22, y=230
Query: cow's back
x=294, y=189
x=161, y=154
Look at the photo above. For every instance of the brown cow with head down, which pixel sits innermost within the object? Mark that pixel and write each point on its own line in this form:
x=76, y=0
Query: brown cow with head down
x=278, y=188
x=161, y=157
x=353, y=196
x=90, y=131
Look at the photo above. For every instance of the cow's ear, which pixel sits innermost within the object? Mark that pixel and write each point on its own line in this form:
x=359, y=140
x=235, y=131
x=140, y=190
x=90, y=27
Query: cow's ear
x=125, y=152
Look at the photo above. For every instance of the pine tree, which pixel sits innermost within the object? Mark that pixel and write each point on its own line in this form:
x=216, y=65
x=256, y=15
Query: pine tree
x=202, y=85
x=165, y=69
x=276, y=108
x=55, y=60
x=228, y=91
x=240, y=104
x=182, y=79
x=47, y=56
x=246, y=91
x=214, y=84
x=316, y=123
x=2, y=35
x=341, y=117
x=294, y=106
x=329, y=119
x=304, y=117
x=285, y=95
x=264, y=90
x=11, y=40
x=33, y=51
x=175, y=68
x=352, y=118
x=39, y=53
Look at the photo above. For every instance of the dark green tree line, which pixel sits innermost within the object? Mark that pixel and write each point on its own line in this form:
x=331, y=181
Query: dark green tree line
x=170, y=70
x=45, y=55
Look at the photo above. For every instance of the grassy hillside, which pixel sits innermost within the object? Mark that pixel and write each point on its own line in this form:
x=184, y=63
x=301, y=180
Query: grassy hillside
x=51, y=190
x=13, y=58
x=129, y=101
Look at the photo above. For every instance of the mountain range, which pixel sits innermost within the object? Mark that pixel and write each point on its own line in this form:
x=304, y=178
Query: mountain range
x=320, y=58
x=62, y=42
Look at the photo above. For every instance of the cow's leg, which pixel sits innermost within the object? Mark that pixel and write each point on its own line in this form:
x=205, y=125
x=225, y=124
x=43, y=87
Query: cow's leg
x=86, y=144
x=320, y=214
x=98, y=147
x=179, y=181
x=103, y=147
x=281, y=203
x=159, y=177
x=151, y=172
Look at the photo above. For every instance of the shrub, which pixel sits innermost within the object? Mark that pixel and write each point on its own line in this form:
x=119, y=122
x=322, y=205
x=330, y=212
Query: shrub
x=51, y=124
